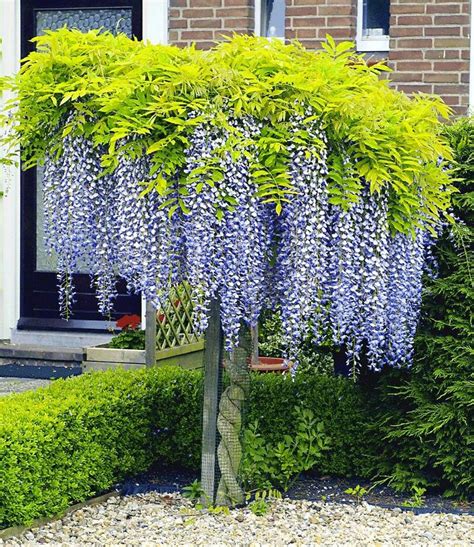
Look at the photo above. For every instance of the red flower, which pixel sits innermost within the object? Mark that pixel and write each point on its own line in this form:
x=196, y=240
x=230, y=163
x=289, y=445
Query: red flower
x=129, y=322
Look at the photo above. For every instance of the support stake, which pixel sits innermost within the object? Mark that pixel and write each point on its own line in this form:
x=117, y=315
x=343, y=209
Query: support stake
x=212, y=380
x=150, y=335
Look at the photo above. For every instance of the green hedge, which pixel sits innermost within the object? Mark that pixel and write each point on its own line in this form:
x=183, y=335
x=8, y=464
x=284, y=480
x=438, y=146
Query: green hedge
x=78, y=437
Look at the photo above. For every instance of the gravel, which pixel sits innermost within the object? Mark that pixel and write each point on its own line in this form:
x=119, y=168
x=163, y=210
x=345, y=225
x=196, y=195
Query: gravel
x=168, y=519
x=18, y=385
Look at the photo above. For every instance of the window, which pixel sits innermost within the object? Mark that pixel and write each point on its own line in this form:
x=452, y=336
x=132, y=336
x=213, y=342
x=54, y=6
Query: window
x=373, y=25
x=270, y=18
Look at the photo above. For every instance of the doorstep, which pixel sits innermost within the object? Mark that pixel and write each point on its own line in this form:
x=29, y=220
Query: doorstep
x=39, y=361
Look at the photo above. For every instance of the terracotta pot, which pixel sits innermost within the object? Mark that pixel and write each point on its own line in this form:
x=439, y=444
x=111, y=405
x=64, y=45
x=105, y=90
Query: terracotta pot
x=271, y=364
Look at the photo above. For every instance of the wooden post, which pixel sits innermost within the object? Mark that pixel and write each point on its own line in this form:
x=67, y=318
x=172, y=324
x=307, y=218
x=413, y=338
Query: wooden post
x=150, y=335
x=254, y=338
x=213, y=354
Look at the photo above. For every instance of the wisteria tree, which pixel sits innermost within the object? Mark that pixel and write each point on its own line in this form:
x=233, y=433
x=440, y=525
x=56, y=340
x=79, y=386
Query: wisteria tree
x=261, y=174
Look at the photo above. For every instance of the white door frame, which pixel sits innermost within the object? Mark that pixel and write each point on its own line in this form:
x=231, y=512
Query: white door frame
x=155, y=29
x=10, y=184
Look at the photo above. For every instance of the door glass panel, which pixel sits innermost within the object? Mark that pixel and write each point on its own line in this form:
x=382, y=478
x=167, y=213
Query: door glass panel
x=115, y=20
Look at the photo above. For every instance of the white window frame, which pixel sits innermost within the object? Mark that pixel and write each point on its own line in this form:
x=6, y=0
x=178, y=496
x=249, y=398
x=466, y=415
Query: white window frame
x=366, y=43
x=258, y=17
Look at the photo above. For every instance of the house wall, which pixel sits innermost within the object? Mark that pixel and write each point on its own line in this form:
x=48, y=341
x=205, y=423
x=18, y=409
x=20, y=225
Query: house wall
x=310, y=20
x=205, y=21
x=430, y=48
x=429, y=39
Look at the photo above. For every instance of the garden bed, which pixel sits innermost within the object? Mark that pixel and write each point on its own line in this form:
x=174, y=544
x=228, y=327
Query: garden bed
x=103, y=357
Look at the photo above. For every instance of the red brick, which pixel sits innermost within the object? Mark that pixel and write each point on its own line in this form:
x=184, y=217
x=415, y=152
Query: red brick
x=232, y=12
x=410, y=88
x=197, y=13
x=342, y=33
x=178, y=3
x=340, y=21
x=306, y=11
x=205, y=3
x=412, y=66
x=240, y=24
x=403, y=54
x=303, y=33
x=315, y=22
x=449, y=65
x=405, y=76
x=404, y=32
x=451, y=42
x=205, y=45
x=206, y=23
x=410, y=43
x=441, y=77
x=451, y=20
x=196, y=35
x=337, y=10
x=178, y=23
x=453, y=89
x=308, y=2
x=442, y=31
x=442, y=54
x=404, y=9
x=414, y=20
x=443, y=8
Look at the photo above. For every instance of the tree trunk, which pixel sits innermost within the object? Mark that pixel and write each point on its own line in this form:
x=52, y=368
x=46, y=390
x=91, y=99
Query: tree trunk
x=229, y=423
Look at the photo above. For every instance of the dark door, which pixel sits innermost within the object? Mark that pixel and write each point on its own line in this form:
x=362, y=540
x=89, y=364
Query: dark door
x=39, y=298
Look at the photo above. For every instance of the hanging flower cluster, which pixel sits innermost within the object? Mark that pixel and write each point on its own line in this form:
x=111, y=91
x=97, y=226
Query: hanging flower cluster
x=336, y=271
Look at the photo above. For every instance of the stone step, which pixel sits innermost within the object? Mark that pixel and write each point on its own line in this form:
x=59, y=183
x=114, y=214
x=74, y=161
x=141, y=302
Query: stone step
x=36, y=361
x=41, y=353
x=58, y=339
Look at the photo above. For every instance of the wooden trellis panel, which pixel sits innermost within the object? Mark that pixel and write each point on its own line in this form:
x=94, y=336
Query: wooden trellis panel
x=174, y=325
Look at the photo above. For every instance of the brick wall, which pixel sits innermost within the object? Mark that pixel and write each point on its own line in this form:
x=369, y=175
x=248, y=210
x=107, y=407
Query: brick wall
x=429, y=48
x=310, y=20
x=204, y=21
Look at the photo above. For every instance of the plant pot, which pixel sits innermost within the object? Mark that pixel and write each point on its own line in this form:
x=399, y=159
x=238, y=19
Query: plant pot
x=272, y=364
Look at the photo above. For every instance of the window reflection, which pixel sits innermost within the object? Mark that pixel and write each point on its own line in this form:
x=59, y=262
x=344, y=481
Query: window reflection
x=376, y=17
x=273, y=18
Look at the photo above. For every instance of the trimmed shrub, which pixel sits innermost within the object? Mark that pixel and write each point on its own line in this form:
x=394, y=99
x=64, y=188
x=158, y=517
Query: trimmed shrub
x=77, y=437
x=80, y=436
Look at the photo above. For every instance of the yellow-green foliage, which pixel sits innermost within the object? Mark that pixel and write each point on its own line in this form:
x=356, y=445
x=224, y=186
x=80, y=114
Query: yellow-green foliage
x=119, y=88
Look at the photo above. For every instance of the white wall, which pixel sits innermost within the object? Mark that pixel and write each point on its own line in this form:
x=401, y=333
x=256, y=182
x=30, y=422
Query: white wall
x=9, y=183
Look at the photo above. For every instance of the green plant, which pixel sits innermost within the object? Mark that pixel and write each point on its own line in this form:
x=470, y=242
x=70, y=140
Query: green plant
x=194, y=491
x=417, y=498
x=129, y=339
x=266, y=465
x=358, y=492
x=424, y=430
x=312, y=357
x=80, y=436
x=260, y=504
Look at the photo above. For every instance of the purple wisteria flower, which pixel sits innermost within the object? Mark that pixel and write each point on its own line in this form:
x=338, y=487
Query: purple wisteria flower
x=338, y=272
